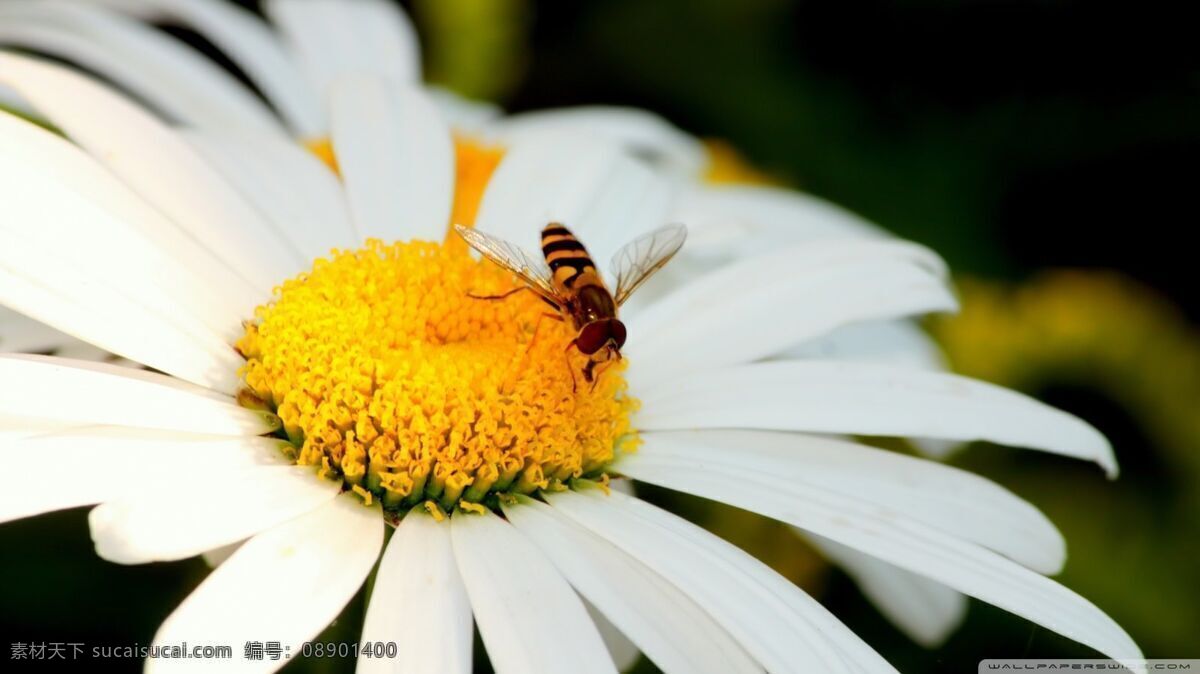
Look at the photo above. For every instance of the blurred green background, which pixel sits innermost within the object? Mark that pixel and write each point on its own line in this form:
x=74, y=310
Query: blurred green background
x=1047, y=149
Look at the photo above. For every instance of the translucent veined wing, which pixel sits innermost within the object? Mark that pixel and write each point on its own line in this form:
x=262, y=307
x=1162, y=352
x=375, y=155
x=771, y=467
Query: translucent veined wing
x=639, y=259
x=531, y=269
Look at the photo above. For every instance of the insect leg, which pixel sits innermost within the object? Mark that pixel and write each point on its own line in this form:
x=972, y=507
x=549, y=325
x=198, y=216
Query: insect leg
x=537, y=328
x=614, y=358
x=599, y=372
x=501, y=296
x=570, y=368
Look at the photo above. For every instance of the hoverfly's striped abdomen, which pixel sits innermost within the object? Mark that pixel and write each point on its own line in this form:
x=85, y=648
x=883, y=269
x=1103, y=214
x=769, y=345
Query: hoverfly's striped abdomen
x=570, y=283
x=568, y=259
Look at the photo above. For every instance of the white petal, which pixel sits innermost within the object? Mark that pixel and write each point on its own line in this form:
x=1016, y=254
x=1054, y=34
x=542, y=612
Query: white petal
x=775, y=621
x=332, y=38
x=733, y=221
x=603, y=195
x=83, y=307
x=14, y=430
x=727, y=223
x=123, y=369
x=763, y=305
x=623, y=652
x=924, y=609
x=867, y=399
x=624, y=486
x=954, y=501
x=77, y=467
x=217, y=556
x=169, y=75
x=903, y=541
x=222, y=296
x=530, y=619
x=252, y=45
x=19, y=333
x=172, y=321
x=285, y=585
x=179, y=519
x=83, y=351
x=419, y=602
x=83, y=393
x=289, y=185
x=464, y=115
x=12, y=101
x=642, y=133
x=901, y=343
x=675, y=633
x=396, y=157
x=158, y=164
x=898, y=342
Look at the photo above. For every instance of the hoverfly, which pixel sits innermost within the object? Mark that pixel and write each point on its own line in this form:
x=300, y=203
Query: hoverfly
x=566, y=279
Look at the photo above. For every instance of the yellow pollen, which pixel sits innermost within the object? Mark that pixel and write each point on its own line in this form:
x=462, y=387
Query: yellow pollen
x=389, y=377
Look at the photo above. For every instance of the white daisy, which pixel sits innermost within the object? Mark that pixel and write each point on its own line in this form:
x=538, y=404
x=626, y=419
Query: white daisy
x=144, y=195
x=310, y=43
x=311, y=46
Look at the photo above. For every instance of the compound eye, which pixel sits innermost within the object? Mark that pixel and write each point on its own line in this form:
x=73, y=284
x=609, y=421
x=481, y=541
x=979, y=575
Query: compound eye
x=618, y=333
x=592, y=337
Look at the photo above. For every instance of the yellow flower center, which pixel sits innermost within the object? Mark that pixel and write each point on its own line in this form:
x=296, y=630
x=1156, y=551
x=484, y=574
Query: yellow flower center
x=388, y=375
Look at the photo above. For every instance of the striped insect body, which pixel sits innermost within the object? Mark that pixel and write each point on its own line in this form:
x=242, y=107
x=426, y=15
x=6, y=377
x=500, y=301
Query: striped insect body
x=566, y=278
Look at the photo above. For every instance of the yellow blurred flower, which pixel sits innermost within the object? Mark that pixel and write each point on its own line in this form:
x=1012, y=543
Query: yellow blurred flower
x=1092, y=328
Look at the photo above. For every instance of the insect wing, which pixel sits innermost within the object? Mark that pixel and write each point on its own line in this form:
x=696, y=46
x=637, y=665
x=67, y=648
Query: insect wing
x=639, y=259
x=532, y=270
